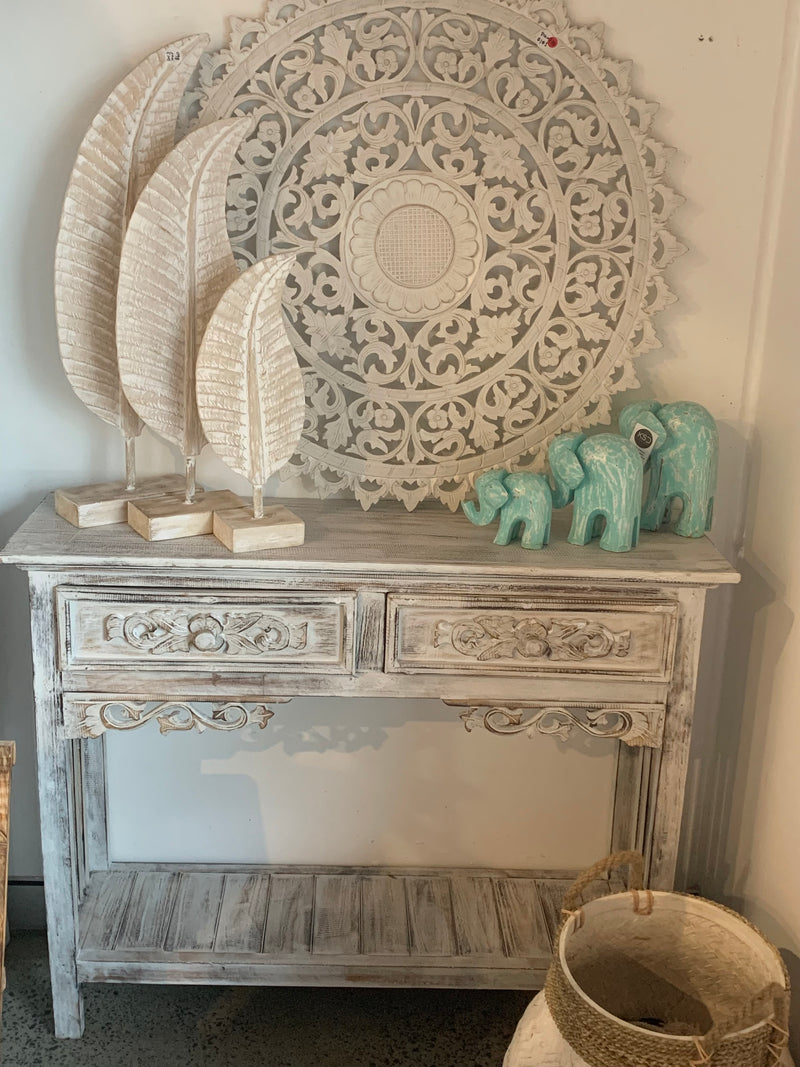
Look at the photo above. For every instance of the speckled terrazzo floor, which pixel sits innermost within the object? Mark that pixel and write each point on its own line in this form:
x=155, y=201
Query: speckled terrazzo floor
x=214, y=1026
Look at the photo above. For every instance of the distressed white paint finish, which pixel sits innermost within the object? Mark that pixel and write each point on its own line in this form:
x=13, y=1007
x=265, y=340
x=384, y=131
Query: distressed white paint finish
x=487, y=637
x=499, y=209
x=176, y=263
x=135, y=629
x=162, y=631
x=249, y=386
x=427, y=546
x=266, y=926
x=130, y=135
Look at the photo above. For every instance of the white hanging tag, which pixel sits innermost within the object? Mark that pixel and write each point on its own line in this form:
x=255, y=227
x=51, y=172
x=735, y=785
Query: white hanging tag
x=644, y=439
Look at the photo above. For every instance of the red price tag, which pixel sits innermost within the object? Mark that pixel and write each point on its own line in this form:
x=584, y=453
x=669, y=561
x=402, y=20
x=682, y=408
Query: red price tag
x=544, y=40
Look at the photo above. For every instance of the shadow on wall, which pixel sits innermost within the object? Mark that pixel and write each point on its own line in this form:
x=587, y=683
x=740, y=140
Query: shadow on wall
x=721, y=813
x=747, y=669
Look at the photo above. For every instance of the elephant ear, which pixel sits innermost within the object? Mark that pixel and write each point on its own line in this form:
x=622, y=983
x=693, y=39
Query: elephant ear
x=567, y=469
x=565, y=465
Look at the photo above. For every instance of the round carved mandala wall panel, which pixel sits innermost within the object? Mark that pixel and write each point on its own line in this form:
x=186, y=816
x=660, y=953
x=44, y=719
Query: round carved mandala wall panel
x=479, y=216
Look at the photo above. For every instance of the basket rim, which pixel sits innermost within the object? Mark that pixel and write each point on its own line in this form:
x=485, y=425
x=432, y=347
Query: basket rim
x=568, y=928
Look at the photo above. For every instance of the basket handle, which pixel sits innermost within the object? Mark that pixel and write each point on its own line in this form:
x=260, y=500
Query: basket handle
x=774, y=1001
x=573, y=898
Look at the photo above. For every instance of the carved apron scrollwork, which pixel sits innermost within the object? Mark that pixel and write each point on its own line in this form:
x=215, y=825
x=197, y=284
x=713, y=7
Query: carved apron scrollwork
x=91, y=718
x=637, y=726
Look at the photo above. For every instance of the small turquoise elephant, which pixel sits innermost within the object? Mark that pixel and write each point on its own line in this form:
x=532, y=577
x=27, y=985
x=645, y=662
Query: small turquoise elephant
x=683, y=462
x=603, y=474
x=523, y=499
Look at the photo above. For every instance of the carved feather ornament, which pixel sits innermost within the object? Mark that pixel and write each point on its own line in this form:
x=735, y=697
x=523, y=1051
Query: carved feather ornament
x=249, y=384
x=131, y=134
x=176, y=264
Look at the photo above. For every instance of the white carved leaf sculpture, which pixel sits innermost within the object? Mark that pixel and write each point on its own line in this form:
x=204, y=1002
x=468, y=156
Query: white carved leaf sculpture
x=176, y=264
x=130, y=135
x=249, y=384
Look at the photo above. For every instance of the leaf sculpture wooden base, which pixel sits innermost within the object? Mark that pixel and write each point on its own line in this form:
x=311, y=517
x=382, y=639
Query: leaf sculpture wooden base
x=106, y=503
x=239, y=531
x=164, y=518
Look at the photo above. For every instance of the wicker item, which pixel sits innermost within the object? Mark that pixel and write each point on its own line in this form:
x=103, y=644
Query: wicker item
x=653, y=979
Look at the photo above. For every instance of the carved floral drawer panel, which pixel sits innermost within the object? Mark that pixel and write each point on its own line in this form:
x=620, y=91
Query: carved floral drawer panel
x=313, y=632
x=636, y=639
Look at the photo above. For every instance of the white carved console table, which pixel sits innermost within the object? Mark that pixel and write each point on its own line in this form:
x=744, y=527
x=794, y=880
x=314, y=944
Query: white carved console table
x=389, y=603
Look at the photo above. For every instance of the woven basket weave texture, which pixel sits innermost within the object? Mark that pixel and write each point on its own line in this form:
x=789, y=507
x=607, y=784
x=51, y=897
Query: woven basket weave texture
x=653, y=979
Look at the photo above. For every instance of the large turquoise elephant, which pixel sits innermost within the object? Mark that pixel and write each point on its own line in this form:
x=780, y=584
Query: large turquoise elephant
x=603, y=475
x=683, y=462
x=523, y=500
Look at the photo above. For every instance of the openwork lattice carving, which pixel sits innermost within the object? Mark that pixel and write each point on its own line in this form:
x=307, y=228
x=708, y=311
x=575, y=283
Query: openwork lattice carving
x=91, y=718
x=635, y=726
x=478, y=213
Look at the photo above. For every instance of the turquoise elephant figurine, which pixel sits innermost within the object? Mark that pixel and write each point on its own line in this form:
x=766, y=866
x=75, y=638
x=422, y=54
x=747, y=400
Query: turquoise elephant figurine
x=683, y=462
x=523, y=500
x=603, y=475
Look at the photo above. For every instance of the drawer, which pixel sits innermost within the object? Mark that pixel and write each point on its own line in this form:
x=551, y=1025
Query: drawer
x=494, y=637
x=246, y=631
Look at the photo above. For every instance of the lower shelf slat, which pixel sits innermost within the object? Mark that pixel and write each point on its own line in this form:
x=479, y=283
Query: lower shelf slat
x=307, y=926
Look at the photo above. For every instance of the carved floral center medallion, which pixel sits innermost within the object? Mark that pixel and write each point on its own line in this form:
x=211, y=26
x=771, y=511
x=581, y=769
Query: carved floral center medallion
x=479, y=222
x=412, y=247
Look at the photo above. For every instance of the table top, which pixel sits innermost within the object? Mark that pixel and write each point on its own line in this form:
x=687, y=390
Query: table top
x=341, y=537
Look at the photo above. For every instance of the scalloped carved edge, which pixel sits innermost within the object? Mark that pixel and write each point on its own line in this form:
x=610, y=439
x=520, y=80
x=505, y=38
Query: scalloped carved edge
x=92, y=718
x=637, y=725
x=246, y=34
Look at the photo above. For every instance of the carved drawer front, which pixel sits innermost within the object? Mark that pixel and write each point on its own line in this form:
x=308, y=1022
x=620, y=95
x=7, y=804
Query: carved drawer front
x=243, y=631
x=487, y=637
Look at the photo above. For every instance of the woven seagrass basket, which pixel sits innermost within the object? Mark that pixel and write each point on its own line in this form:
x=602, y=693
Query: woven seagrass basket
x=653, y=979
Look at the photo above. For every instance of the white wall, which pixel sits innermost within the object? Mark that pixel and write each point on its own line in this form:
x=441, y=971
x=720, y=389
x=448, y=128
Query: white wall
x=717, y=101
x=759, y=870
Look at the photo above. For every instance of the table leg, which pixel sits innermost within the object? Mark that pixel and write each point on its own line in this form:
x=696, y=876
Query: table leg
x=677, y=739
x=57, y=814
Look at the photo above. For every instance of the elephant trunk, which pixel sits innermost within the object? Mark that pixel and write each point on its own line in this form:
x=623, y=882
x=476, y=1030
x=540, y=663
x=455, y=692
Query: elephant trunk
x=480, y=514
x=491, y=497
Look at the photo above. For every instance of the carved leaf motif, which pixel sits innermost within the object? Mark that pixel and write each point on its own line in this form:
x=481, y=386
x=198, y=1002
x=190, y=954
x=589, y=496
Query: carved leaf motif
x=176, y=263
x=250, y=392
x=502, y=158
x=528, y=637
x=129, y=136
x=335, y=44
x=498, y=46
